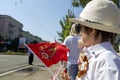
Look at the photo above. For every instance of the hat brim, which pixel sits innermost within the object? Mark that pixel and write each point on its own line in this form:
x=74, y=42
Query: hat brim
x=101, y=27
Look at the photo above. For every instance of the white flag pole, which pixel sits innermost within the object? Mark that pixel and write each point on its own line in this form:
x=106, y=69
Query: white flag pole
x=41, y=61
x=56, y=73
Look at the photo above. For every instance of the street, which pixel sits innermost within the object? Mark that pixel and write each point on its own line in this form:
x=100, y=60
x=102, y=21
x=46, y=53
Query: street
x=35, y=72
x=9, y=62
x=24, y=72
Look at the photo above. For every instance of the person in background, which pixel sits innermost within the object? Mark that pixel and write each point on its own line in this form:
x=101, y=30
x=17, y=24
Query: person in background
x=31, y=55
x=100, y=22
x=71, y=42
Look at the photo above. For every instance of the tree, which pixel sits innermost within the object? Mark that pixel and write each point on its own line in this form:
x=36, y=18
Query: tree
x=65, y=25
x=1, y=37
x=79, y=3
x=82, y=3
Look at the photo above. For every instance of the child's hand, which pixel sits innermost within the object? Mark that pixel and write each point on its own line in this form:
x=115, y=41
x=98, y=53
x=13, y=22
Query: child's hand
x=64, y=75
x=80, y=44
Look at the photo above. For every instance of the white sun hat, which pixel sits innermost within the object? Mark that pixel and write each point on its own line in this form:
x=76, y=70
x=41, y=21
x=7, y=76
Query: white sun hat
x=100, y=14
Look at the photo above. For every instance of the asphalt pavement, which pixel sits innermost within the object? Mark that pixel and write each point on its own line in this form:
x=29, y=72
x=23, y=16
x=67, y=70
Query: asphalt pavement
x=32, y=72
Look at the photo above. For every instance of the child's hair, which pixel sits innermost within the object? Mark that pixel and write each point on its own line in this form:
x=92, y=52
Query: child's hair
x=75, y=29
x=106, y=36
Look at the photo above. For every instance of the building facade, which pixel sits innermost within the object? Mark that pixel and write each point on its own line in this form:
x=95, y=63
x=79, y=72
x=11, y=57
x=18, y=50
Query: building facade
x=30, y=38
x=9, y=27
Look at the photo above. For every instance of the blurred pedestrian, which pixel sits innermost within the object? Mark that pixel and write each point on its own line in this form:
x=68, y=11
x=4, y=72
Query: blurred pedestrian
x=31, y=55
x=71, y=42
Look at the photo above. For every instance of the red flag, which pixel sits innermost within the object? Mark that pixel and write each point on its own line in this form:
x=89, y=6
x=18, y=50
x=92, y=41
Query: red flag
x=49, y=53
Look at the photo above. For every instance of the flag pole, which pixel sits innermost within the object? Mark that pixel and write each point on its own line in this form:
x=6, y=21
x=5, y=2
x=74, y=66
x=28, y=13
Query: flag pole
x=56, y=72
x=40, y=60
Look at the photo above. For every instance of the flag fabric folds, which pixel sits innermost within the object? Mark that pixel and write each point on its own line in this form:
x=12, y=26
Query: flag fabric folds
x=49, y=52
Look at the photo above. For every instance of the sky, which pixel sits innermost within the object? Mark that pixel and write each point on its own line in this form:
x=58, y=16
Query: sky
x=39, y=17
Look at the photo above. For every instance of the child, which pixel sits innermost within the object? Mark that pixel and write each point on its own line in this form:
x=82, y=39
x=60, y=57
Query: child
x=100, y=22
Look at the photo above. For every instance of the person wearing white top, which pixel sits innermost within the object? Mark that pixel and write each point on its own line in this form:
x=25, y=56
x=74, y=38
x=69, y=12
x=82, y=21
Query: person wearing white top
x=71, y=42
x=100, y=22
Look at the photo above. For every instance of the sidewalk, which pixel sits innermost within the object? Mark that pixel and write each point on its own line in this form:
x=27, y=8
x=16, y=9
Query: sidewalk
x=34, y=72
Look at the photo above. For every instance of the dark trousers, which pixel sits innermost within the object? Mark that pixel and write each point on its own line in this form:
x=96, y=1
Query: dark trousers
x=31, y=57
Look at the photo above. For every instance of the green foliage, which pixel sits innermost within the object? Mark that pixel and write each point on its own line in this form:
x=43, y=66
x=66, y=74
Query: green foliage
x=117, y=43
x=79, y=3
x=14, y=44
x=1, y=37
x=65, y=25
x=82, y=3
x=75, y=3
x=117, y=2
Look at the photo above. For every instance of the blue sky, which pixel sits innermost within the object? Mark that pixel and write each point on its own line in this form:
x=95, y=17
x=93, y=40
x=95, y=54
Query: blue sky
x=39, y=17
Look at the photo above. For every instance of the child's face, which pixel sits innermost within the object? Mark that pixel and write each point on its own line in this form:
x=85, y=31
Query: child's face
x=86, y=36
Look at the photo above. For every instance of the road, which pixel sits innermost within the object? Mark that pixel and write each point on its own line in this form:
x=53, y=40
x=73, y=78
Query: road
x=33, y=72
x=9, y=62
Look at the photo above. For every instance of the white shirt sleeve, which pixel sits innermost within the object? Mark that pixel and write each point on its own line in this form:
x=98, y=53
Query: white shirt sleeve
x=108, y=74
